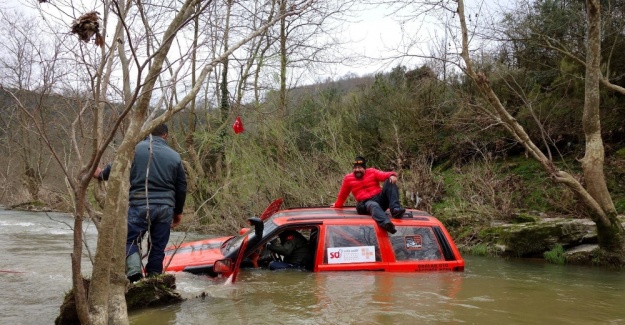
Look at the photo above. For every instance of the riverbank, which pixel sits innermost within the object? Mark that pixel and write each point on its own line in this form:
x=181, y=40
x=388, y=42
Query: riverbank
x=503, y=208
x=558, y=240
x=34, y=206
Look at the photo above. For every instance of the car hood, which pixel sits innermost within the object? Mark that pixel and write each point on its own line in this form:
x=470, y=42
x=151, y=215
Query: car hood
x=201, y=253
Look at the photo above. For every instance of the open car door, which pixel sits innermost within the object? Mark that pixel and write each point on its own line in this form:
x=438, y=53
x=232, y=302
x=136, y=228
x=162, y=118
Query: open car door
x=237, y=265
x=271, y=209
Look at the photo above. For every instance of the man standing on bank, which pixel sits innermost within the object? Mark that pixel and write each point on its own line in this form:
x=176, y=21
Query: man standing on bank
x=364, y=184
x=158, y=187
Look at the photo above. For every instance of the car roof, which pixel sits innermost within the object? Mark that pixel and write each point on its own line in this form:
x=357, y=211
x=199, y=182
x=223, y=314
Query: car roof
x=345, y=216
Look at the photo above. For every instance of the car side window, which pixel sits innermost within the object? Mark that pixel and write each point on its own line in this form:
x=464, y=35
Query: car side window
x=351, y=244
x=416, y=244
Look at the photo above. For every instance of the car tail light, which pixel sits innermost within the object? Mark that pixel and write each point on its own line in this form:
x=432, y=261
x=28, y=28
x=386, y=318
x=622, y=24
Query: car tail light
x=223, y=266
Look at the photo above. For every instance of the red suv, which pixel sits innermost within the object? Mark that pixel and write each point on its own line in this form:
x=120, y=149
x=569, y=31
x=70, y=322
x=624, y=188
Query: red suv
x=339, y=239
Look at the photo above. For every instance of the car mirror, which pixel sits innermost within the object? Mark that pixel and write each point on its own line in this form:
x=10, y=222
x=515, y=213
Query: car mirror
x=223, y=266
x=258, y=225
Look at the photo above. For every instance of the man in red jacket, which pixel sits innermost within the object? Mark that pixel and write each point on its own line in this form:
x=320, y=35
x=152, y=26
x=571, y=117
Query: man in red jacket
x=364, y=184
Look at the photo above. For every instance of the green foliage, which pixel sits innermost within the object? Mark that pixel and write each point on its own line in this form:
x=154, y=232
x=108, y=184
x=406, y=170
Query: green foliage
x=523, y=218
x=489, y=234
x=481, y=189
x=620, y=205
x=556, y=255
x=480, y=250
x=538, y=191
x=303, y=163
x=615, y=174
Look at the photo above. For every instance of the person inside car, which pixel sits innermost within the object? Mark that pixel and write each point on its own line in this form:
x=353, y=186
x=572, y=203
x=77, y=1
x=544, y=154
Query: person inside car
x=295, y=249
x=364, y=184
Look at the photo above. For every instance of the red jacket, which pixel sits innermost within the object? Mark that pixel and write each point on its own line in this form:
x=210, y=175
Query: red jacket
x=363, y=189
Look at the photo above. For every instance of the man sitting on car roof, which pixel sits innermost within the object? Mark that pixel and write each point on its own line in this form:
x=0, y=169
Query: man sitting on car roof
x=364, y=184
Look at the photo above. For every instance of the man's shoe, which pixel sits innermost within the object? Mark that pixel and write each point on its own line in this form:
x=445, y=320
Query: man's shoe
x=135, y=277
x=390, y=227
x=397, y=212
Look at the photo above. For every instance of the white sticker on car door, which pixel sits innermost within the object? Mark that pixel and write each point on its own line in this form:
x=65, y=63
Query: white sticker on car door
x=359, y=254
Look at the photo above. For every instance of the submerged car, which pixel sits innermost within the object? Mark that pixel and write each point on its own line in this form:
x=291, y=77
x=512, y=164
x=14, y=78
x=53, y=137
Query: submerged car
x=340, y=240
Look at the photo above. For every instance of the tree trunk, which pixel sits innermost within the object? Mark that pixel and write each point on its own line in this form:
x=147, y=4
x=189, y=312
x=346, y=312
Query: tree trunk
x=611, y=233
x=283, y=61
x=282, y=105
x=224, y=107
x=80, y=296
x=107, y=267
x=595, y=196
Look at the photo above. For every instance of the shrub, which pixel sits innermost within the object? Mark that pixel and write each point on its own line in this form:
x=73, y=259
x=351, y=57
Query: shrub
x=480, y=250
x=555, y=255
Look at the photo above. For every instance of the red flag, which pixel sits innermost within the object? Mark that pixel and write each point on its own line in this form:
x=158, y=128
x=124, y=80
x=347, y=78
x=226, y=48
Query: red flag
x=238, y=125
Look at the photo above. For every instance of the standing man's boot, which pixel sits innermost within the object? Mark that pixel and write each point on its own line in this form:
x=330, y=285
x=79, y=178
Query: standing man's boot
x=133, y=267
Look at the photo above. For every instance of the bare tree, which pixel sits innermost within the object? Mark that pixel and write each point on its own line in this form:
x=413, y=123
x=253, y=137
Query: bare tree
x=27, y=74
x=594, y=191
x=303, y=42
x=594, y=194
x=131, y=79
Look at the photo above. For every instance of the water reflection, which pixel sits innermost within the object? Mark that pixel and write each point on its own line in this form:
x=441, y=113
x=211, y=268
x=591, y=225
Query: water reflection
x=293, y=297
x=490, y=291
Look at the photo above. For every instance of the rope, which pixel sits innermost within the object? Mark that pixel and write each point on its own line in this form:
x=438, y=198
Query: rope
x=147, y=201
x=147, y=210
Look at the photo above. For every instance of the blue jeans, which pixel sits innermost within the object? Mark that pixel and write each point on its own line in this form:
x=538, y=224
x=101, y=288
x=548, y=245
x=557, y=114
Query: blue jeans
x=277, y=265
x=159, y=225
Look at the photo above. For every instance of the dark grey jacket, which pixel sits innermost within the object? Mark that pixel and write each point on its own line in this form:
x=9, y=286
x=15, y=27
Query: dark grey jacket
x=293, y=246
x=167, y=182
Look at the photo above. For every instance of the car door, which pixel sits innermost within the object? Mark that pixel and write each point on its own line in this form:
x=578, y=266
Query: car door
x=349, y=248
x=421, y=248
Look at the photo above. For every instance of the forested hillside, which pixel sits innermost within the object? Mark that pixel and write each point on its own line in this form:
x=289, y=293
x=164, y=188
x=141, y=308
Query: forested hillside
x=449, y=155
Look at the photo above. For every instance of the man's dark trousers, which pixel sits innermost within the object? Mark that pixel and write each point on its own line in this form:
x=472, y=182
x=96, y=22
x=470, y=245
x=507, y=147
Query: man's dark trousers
x=377, y=205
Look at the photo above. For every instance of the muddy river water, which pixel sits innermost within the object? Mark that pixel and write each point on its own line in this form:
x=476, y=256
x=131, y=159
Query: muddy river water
x=35, y=274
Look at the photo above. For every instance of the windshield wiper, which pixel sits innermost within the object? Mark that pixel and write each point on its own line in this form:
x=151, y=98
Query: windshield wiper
x=226, y=242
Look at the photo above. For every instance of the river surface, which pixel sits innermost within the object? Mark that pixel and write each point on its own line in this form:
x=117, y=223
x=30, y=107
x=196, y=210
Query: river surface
x=35, y=274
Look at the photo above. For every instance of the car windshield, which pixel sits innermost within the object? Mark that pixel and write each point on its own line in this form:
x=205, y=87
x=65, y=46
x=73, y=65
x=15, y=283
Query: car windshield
x=233, y=244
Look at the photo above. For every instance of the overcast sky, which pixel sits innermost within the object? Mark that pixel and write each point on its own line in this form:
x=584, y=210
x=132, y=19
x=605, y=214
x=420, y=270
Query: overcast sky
x=371, y=33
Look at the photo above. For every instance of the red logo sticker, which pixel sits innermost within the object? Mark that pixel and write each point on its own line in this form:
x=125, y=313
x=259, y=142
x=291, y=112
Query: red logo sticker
x=414, y=242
